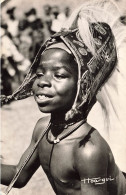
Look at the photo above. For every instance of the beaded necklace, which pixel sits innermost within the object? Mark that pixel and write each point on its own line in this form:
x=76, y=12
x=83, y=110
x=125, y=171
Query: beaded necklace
x=57, y=140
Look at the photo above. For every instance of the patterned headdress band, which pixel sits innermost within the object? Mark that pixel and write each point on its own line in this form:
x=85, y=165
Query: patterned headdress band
x=60, y=45
x=93, y=70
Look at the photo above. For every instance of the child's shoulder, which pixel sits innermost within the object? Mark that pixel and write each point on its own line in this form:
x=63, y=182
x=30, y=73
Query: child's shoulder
x=92, y=156
x=40, y=126
x=92, y=149
x=43, y=122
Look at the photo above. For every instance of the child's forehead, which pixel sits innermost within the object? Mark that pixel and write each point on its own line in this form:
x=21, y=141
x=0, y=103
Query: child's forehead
x=58, y=58
x=55, y=54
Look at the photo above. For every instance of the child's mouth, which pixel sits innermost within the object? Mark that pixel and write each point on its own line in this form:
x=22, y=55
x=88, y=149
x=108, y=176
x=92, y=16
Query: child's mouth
x=42, y=98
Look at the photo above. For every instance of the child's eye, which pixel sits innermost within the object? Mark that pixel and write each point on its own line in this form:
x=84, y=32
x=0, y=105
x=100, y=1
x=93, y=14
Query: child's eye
x=60, y=76
x=39, y=74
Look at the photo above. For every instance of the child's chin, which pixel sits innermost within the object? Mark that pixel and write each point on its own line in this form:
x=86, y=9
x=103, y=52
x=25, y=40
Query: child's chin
x=44, y=110
x=51, y=111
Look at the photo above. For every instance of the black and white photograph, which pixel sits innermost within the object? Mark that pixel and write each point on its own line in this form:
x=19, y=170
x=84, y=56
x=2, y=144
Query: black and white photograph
x=63, y=97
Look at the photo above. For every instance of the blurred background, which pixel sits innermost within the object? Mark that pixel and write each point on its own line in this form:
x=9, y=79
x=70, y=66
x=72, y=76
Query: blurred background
x=25, y=25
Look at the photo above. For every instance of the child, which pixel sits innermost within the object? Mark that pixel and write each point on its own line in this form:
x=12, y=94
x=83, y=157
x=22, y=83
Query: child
x=67, y=73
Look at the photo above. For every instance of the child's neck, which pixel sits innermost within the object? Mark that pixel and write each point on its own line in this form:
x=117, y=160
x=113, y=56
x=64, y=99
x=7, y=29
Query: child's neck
x=58, y=123
x=58, y=118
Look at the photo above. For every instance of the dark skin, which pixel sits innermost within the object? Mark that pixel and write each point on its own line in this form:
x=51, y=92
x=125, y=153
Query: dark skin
x=70, y=163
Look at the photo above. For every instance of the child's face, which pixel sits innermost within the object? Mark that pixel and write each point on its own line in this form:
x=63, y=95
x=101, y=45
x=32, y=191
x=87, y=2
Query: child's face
x=56, y=83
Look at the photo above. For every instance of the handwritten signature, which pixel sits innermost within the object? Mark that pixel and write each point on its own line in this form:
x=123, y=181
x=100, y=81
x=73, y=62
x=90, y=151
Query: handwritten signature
x=97, y=180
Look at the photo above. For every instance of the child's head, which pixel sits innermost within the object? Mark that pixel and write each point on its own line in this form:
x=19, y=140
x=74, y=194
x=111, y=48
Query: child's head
x=56, y=84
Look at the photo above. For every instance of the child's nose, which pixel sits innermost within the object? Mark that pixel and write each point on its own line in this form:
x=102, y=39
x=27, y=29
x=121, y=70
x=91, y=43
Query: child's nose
x=44, y=81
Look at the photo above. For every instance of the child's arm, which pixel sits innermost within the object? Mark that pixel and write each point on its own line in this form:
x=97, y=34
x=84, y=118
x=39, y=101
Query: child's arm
x=92, y=164
x=8, y=171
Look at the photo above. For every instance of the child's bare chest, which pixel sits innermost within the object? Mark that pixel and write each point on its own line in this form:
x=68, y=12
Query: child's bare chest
x=57, y=161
